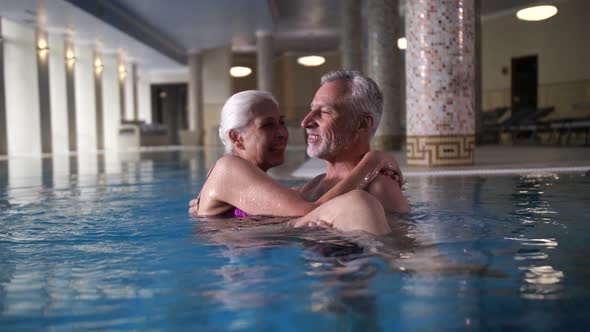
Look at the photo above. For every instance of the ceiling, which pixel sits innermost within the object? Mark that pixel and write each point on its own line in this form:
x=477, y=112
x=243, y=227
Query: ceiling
x=159, y=33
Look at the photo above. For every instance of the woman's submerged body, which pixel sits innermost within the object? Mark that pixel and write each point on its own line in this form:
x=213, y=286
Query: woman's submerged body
x=238, y=182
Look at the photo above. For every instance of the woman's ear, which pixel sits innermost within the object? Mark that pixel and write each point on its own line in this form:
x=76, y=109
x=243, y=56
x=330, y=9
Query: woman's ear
x=236, y=139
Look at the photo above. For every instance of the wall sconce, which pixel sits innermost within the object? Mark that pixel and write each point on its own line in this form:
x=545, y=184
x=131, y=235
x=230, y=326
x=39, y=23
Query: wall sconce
x=98, y=65
x=70, y=57
x=122, y=72
x=42, y=47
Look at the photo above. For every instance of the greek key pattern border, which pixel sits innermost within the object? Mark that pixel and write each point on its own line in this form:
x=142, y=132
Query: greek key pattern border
x=451, y=150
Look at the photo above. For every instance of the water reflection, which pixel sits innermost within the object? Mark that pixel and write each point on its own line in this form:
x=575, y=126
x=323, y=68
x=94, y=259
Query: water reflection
x=542, y=282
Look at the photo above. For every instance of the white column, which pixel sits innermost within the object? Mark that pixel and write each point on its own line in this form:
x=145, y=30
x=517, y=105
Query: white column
x=195, y=94
x=111, y=101
x=22, y=90
x=129, y=104
x=85, y=99
x=57, y=83
x=144, y=95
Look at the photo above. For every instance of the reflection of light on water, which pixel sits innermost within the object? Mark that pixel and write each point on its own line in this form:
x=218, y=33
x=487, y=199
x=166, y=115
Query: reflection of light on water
x=530, y=256
x=543, y=275
x=542, y=282
x=542, y=176
x=549, y=243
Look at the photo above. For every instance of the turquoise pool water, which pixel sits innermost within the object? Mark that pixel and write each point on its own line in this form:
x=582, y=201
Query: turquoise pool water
x=110, y=247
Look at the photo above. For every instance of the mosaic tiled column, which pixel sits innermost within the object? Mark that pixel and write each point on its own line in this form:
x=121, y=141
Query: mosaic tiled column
x=264, y=60
x=350, y=34
x=384, y=68
x=195, y=96
x=440, y=82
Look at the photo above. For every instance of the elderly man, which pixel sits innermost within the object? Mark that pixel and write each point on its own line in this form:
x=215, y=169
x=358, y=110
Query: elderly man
x=344, y=116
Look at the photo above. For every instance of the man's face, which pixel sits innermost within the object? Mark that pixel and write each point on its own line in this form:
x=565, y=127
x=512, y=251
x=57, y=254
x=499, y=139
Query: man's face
x=329, y=126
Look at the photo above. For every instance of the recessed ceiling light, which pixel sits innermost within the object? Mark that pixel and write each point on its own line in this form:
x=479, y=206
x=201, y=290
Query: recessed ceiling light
x=311, y=60
x=536, y=13
x=239, y=71
x=402, y=43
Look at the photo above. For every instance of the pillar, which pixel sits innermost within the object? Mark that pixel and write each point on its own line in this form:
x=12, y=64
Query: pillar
x=440, y=82
x=58, y=95
x=134, y=81
x=264, y=60
x=44, y=90
x=98, y=88
x=122, y=96
x=350, y=34
x=71, y=94
x=478, y=69
x=111, y=101
x=3, y=129
x=384, y=67
x=195, y=97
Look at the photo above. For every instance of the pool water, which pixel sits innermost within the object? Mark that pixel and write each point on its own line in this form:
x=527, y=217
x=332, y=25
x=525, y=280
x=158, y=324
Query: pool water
x=110, y=247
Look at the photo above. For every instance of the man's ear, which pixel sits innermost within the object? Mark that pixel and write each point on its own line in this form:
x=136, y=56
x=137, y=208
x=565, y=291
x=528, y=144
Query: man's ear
x=366, y=123
x=235, y=138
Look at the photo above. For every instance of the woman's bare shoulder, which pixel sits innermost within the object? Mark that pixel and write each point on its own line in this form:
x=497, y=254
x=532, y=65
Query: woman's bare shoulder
x=230, y=162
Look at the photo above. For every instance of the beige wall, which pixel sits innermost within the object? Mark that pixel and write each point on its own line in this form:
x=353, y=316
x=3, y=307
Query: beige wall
x=299, y=84
x=217, y=88
x=562, y=44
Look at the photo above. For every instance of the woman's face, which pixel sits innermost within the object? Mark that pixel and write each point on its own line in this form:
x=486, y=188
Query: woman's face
x=264, y=140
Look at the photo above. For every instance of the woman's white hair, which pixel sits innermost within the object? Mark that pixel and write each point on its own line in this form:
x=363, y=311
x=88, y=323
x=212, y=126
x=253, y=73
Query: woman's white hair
x=237, y=113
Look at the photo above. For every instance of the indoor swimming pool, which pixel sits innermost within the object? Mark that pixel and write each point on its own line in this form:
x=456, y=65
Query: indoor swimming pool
x=107, y=244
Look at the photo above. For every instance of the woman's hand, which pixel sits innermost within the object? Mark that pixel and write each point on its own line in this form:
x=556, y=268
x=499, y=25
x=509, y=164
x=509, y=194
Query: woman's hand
x=193, y=207
x=385, y=164
x=306, y=222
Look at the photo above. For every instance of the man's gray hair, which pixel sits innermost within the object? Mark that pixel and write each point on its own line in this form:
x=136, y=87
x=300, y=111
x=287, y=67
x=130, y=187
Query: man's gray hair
x=363, y=96
x=237, y=113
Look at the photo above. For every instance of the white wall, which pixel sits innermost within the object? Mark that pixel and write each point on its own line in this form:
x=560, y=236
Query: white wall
x=144, y=96
x=562, y=44
x=22, y=90
x=57, y=84
x=85, y=98
x=111, y=102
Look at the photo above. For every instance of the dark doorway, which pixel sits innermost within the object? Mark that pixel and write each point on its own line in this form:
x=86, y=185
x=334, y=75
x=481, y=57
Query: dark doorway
x=169, y=104
x=524, y=84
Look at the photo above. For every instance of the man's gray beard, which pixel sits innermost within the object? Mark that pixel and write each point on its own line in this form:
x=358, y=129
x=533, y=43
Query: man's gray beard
x=327, y=149
x=321, y=151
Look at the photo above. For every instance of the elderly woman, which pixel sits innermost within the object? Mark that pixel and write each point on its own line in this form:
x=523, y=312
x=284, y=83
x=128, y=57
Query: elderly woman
x=255, y=137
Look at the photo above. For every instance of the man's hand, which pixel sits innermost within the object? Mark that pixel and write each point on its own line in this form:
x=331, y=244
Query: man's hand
x=193, y=207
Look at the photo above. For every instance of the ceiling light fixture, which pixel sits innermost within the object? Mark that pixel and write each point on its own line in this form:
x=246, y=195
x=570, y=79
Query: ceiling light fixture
x=311, y=60
x=536, y=13
x=239, y=71
x=402, y=43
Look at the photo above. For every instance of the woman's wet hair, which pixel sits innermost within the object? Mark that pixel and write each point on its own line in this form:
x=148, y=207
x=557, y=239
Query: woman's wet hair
x=237, y=113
